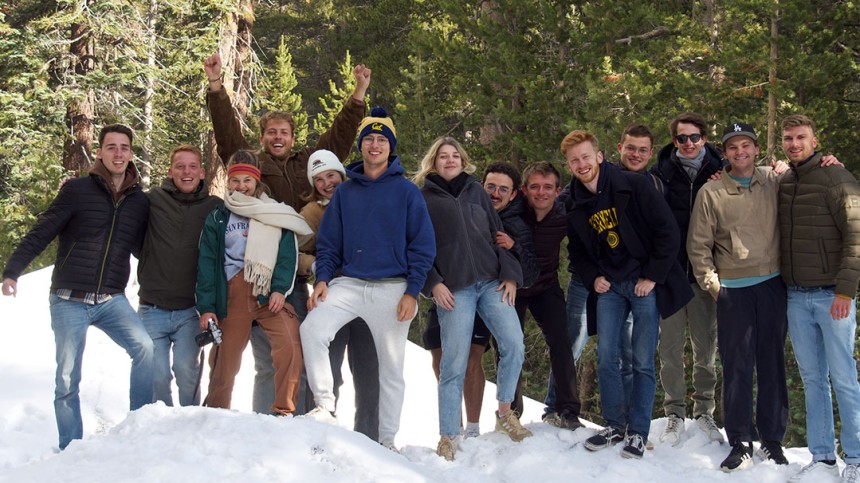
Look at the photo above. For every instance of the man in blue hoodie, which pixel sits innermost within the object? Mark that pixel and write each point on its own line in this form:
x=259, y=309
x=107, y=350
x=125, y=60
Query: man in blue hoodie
x=377, y=238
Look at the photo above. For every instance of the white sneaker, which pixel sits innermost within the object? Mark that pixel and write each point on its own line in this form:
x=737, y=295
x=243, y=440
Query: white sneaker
x=814, y=472
x=851, y=474
x=322, y=415
x=707, y=424
x=673, y=431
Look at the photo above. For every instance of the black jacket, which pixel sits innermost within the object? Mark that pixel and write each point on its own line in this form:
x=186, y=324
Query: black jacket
x=465, y=227
x=547, y=235
x=97, y=233
x=524, y=248
x=647, y=229
x=680, y=191
x=167, y=271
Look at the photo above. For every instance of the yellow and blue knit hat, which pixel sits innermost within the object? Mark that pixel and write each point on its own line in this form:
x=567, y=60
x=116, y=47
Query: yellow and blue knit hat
x=378, y=122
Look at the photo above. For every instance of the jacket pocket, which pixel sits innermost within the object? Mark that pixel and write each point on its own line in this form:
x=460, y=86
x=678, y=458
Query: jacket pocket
x=68, y=254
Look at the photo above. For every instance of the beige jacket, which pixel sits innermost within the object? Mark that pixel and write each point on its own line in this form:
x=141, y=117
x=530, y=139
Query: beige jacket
x=733, y=229
x=313, y=213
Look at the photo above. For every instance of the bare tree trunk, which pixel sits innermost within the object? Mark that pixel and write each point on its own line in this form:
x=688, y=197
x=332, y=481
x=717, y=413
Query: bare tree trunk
x=771, y=92
x=78, y=147
x=146, y=170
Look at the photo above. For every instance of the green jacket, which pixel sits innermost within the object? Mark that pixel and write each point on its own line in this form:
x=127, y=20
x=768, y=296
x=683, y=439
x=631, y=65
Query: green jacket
x=211, y=278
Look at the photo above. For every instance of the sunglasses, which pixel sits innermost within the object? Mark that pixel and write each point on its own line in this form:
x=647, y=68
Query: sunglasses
x=503, y=190
x=682, y=138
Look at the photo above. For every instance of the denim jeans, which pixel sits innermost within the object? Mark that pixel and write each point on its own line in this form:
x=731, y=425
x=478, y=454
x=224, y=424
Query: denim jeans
x=613, y=307
x=177, y=328
x=264, y=372
x=825, y=346
x=577, y=329
x=70, y=321
x=501, y=318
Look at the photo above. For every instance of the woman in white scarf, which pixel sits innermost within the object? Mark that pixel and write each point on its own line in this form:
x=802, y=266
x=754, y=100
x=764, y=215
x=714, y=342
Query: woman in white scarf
x=247, y=267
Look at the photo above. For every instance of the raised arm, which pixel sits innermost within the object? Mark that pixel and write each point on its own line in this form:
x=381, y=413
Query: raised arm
x=225, y=122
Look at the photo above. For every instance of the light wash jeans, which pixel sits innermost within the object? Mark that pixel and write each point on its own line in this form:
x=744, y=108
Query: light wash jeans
x=823, y=347
x=177, y=328
x=70, y=321
x=375, y=302
x=613, y=307
x=456, y=329
x=577, y=330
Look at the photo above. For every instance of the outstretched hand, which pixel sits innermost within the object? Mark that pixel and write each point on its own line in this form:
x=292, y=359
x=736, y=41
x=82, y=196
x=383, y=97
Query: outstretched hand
x=212, y=67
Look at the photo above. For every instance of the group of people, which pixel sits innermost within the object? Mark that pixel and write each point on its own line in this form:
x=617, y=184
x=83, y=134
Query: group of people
x=704, y=241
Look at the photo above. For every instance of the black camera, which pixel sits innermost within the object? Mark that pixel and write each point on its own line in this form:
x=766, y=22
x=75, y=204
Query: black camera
x=212, y=334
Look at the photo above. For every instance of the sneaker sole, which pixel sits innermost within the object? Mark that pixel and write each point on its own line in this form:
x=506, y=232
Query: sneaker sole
x=595, y=447
x=629, y=455
x=744, y=465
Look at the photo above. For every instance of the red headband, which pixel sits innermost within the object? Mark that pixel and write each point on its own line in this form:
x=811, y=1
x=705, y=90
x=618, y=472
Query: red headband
x=244, y=169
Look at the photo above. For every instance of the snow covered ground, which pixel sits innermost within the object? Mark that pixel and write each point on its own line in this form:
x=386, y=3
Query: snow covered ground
x=158, y=443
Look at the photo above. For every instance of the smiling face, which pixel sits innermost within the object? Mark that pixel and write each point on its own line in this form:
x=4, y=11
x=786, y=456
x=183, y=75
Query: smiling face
x=500, y=187
x=277, y=139
x=243, y=183
x=448, y=162
x=635, y=152
x=741, y=152
x=375, y=150
x=115, y=153
x=541, y=191
x=186, y=171
x=326, y=182
x=686, y=146
x=583, y=161
x=799, y=143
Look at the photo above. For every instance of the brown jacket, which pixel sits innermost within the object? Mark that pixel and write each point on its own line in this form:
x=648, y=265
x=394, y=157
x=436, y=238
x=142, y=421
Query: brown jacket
x=313, y=213
x=819, y=219
x=287, y=180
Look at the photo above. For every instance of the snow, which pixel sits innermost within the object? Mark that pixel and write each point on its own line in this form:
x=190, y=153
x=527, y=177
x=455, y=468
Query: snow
x=159, y=443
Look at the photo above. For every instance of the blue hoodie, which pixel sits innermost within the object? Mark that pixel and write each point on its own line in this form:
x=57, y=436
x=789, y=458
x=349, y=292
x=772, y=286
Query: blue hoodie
x=375, y=229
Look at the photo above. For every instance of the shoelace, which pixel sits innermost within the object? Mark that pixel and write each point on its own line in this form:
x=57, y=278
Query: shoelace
x=852, y=473
x=709, y=423
x=674, y=422
x=637, y=442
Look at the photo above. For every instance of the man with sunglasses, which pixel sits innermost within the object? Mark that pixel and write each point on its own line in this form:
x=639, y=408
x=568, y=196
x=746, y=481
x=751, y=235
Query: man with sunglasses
x=684, y=166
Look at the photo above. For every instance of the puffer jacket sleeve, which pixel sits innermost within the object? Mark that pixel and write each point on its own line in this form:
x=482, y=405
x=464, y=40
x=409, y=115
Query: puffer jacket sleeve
x=844, y=201
x=523, y=249
x=509, y=266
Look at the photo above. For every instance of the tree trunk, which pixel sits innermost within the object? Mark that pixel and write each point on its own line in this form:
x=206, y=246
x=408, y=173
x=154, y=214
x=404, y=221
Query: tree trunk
x=77, y=149
x=149, y=92
x=771, y=92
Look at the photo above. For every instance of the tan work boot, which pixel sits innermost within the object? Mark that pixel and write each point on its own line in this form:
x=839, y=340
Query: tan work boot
x=445, y=448
x=510, y=425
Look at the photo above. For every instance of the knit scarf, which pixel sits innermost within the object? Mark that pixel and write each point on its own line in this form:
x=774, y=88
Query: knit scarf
x=267, y=217
x=691, y=165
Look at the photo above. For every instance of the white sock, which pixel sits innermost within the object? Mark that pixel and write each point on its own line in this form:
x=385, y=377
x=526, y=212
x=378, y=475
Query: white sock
x=476, y=427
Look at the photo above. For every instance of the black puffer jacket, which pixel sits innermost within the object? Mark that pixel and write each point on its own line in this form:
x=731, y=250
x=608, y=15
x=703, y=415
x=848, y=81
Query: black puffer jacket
x=524, y=248
x=97, y=234
x=680, y=191
x=547, y=235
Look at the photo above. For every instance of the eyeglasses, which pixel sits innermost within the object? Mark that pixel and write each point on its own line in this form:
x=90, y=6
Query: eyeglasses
x=503, y=190
x=682, y=138
x=381, y=140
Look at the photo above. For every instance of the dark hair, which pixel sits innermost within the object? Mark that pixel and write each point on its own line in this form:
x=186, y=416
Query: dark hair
x=637, y=131
x=687, y=118
x=796, y=120
x=544, y=168
x=117, y=128
x=506, y=169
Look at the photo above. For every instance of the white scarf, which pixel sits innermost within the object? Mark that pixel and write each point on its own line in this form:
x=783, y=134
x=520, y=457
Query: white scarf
x=267, y=217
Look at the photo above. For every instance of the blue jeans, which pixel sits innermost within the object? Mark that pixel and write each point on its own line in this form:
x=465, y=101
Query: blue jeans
x=177, y=328
x=70, y=321
x=577, y=330
x=825, y=346
x=456, y=326
x=613, y=308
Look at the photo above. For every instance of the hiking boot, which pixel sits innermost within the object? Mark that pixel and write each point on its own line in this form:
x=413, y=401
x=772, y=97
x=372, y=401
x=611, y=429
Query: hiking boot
x=851, y=474
x=322, y=415
x=552, y=418
x=673, y=431
x=815, y=471
x=772, y=450
x=604, y=438
x=634, y=446
x=707, y=424
x=739, y=458
x=510, y=425
x=445, y=448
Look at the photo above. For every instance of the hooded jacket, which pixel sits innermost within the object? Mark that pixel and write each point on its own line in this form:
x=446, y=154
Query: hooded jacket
x=287, y=179
x=680, y=191
x=465, y=227
x=97, y=229
x=376, y=229
x=167, y=271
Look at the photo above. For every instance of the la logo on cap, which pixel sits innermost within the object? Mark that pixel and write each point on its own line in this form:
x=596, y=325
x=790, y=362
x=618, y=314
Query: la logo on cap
x=738, y=128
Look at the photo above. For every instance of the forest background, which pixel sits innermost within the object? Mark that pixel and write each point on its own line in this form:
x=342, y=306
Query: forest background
x=509, y=78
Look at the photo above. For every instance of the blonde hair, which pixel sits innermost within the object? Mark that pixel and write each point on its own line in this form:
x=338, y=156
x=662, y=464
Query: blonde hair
x=428, y=163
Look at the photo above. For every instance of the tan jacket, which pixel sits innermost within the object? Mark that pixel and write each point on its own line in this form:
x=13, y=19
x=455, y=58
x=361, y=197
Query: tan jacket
x=287, y=179
x=313, y=213
x=733, y=229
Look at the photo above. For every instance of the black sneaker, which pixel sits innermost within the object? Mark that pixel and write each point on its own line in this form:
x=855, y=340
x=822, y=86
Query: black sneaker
x=634, y=446
x=739, y=458
x=605, y=438
x=772, y=450
x=569, y=421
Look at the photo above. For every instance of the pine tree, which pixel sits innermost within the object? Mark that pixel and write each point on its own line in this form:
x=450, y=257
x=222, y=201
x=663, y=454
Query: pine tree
x=277, y=92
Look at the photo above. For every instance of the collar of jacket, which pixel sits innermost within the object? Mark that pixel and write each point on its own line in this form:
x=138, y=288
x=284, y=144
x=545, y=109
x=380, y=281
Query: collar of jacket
x=733, y=186
x=808, y=165
x=201, y=193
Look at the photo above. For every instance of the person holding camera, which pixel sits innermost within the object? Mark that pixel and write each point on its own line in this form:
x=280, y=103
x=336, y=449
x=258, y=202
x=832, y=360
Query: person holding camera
x=246, y=269
x=167, y=273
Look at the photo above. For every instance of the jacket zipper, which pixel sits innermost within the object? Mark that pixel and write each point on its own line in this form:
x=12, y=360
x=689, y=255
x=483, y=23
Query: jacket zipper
x=109, y=240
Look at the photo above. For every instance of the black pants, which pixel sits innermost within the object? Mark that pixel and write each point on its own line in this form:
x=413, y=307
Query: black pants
x=751, y=330
x=550, y=312
x=364, y=366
